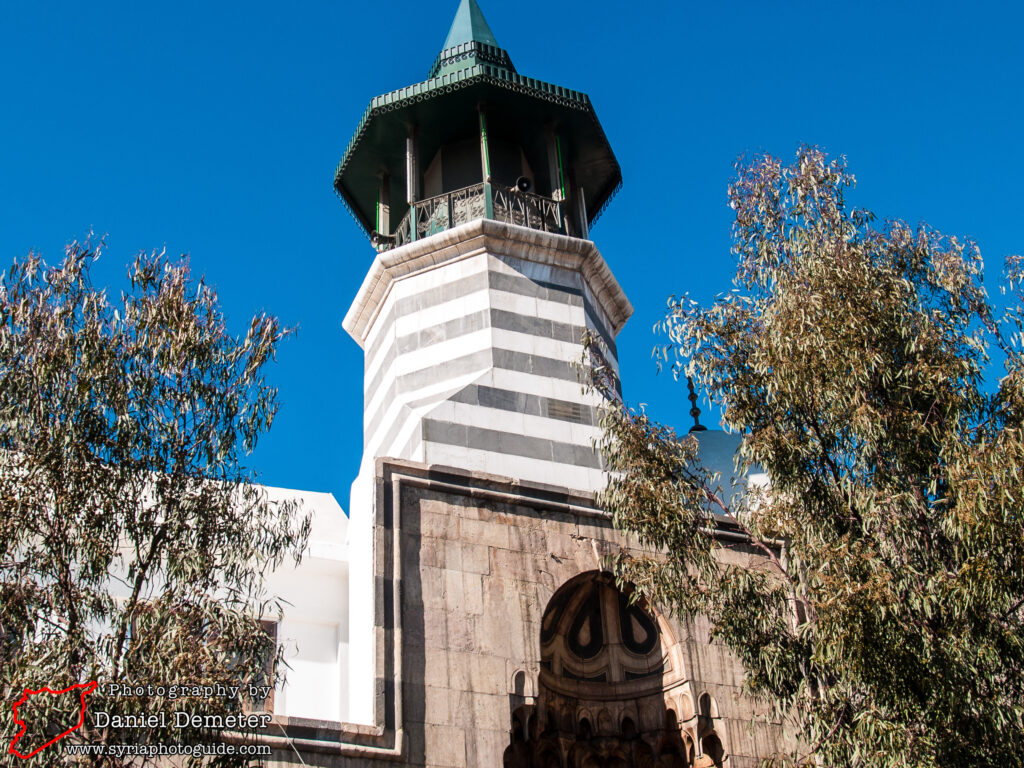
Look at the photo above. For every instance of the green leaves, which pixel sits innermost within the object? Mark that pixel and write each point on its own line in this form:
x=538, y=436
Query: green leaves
x=133, y=541
x=885, y=614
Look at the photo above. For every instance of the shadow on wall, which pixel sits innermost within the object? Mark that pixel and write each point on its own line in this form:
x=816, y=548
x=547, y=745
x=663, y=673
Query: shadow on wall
x=611, y=692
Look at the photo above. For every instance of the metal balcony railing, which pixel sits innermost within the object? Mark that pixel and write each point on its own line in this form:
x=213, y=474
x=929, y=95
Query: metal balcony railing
x=478, y=201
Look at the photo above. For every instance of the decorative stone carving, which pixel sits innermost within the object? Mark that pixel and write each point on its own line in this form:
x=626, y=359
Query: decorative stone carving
x=603, y=689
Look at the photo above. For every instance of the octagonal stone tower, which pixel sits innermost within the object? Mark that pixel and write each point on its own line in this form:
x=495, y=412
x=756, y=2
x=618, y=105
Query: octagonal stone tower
x=477, y=189
x=472, y=343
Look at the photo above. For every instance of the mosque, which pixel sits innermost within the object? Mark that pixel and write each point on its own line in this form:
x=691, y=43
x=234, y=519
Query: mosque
x=460, y=616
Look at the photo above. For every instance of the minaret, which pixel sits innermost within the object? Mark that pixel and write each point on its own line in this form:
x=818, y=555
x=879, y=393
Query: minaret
x=477, y=189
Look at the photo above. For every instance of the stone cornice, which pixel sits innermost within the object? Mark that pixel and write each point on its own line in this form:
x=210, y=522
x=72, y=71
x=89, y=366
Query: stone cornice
x=499, y=239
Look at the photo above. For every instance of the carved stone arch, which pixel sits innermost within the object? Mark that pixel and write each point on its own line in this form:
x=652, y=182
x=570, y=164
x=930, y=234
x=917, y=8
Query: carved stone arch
x=608, y=668
x=522, y=684
x=605, y=725
x=691, y=749
x=586, y=725
x=707, y=706
x=628, y=727
x=712, y=748
x=684, y=706
x=675, y=654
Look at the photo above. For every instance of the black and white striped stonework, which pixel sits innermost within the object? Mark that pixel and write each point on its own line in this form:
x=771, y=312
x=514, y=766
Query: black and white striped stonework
x=472, y=345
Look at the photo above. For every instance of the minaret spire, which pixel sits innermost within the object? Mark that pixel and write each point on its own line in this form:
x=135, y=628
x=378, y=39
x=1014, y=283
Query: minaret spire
x=469, y=26
x=470, y=42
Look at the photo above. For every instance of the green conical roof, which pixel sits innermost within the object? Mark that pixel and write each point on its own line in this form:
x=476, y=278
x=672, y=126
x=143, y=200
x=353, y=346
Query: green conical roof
x=469, y=26
x=469, y=42
x=472, y=69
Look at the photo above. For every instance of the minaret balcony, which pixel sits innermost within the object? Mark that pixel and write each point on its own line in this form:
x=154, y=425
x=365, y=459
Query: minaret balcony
x=477, y=201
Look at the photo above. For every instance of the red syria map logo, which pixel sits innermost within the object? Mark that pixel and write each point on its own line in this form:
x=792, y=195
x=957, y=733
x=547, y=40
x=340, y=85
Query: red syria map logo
x=84, y=690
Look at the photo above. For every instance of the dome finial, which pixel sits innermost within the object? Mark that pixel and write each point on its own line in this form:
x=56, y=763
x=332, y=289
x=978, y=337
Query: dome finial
x=694, y=410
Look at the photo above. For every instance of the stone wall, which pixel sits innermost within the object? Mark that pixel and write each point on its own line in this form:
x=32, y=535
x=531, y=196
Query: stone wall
x=466, y=566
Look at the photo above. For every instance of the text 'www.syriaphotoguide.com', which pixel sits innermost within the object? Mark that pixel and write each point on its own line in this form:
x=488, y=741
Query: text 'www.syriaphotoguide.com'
x=167, y=750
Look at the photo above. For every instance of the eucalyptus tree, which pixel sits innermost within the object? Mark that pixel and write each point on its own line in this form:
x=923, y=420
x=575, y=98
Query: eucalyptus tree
x=133, y=541
x=884, y=623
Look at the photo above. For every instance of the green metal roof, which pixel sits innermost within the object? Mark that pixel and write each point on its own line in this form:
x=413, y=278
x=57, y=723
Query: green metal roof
x=469, y=26
x=469, y=42
x=471, y=69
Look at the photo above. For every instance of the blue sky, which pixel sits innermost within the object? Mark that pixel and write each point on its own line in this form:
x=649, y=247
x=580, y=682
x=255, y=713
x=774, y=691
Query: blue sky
x=215, y=128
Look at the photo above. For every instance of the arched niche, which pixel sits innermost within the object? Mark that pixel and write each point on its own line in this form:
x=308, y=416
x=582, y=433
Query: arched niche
x=606, y=677
x=712, y=750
